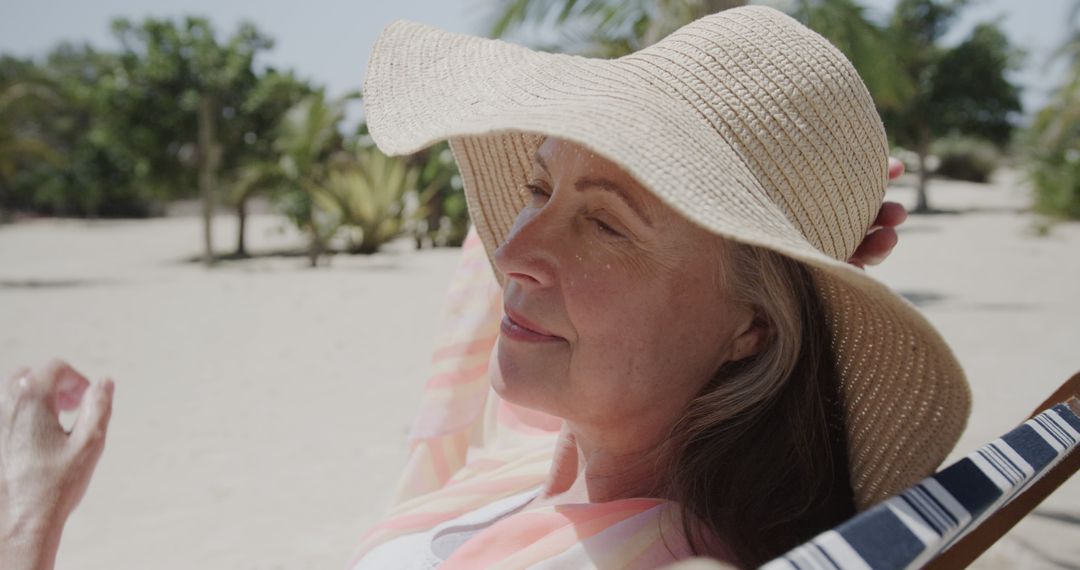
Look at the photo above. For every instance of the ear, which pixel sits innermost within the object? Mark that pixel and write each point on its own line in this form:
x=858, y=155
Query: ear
x=749, y=337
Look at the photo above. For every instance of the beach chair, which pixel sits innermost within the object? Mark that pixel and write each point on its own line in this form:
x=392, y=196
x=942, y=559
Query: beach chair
x=952, y=517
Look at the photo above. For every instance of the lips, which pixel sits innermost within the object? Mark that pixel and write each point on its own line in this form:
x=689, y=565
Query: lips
x=519, y=327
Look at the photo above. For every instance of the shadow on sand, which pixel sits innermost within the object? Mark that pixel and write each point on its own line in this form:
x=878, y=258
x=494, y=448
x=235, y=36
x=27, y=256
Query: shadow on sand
x=923, y=299
x=32, y=283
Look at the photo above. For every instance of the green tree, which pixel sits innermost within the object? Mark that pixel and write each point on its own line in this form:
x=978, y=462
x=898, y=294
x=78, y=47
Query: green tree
x=125, y=128
x=183, y=64
x=98, y=168
x=256, y=168
x=962, y=89
x=20, y=140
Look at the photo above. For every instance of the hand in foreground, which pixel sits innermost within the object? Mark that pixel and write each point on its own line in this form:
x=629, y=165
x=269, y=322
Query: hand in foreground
x=44, y=471
x=881, y=238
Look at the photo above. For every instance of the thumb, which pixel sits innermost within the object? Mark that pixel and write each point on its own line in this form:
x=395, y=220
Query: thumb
x=94, y=414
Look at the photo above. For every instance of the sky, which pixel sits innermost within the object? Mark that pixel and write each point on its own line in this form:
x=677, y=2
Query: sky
x=328, y=41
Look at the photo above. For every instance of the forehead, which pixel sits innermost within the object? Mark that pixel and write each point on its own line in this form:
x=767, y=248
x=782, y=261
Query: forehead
x=562, y=157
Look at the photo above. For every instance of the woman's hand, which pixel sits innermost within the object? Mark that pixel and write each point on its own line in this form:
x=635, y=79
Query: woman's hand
x=44, y=471
x=881, y=239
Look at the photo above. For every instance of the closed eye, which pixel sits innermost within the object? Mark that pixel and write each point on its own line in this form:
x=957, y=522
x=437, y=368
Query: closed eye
x=536, y=195
x=606, y=229
x=532, y=192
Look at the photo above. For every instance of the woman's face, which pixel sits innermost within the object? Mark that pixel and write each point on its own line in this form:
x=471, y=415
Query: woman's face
x=614, y=311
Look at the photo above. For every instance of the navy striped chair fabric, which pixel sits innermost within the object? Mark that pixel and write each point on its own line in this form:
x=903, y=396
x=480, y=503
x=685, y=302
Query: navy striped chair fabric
x=909, y=530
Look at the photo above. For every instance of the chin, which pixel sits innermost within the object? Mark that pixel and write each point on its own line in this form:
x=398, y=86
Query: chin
x=520, y=382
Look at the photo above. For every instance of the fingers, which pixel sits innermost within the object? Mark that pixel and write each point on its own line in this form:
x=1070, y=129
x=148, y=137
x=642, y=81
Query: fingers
x=94, y=415
x=58, y=384
x=896, y=168
x=22, y=380
x=70, y=390
x=890, y=215
x=875, y=247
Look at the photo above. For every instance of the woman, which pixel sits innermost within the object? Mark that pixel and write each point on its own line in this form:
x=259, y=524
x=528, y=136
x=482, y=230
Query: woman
x=668, y=230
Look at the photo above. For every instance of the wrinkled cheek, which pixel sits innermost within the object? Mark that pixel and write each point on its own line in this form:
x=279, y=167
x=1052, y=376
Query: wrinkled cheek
x=590, y=283
x=611, y=364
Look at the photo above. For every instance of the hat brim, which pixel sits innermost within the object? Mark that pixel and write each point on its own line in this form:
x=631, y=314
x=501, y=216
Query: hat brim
x=905, y=396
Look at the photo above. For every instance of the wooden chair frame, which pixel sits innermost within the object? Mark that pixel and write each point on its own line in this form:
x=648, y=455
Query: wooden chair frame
x=967, y=549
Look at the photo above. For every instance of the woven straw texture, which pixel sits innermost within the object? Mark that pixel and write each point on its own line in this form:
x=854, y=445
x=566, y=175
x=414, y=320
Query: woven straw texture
x=745, y=122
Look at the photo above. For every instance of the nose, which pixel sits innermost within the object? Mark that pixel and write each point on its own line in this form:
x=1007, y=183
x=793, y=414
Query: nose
x=528, y=254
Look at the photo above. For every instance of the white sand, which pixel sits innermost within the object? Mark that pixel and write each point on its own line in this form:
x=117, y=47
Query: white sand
x=262, y=407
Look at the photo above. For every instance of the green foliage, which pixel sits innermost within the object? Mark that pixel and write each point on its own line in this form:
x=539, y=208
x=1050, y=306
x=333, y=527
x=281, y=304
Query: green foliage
x=965, y=158
x=963, y=89
x=845, y=24
x=121, y=125
x=970, y=92
x=447, y=219
x=1056, y=179
x=374, y=198
x=922, y=89
x=960, y=89
x=914, y=31
x=169, y=67
x=308, y=134
x=1052, y=142
x=20, y=141
x=603, y=28
x=95, y=167
x=305, y=139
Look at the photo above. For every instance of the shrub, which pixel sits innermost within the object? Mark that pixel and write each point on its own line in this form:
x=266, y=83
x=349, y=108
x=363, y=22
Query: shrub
x=965, y=158
x=1053, y=156
x=1056, y=180
x=374, y=198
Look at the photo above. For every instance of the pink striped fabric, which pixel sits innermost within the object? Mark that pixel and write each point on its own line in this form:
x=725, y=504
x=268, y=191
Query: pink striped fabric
x=469, y=448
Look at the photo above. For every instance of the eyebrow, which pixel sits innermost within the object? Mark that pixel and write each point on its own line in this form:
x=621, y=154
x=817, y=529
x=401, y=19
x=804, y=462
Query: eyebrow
x=606, y=185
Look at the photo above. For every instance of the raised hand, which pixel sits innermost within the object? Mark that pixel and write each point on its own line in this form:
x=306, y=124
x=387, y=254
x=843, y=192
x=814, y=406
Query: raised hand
x=44, y=470
x=881, y=238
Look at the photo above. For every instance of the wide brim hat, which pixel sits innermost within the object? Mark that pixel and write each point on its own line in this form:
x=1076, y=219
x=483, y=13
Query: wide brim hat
x=745, y=122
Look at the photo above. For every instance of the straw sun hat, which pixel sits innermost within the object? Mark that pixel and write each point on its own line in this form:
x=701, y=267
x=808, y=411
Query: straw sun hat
x=745, y=122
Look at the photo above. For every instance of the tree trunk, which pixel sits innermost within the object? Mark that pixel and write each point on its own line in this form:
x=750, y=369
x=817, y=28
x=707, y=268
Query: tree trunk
x=209, y=156
x=315, y=246
x=3, y=202
x=922, y=148
x=241, y=222
x=435, y=214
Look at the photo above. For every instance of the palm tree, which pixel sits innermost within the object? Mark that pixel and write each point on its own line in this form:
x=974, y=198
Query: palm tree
x=604, y=28
x=376, y=196
x=607, y=28
x=307, y=137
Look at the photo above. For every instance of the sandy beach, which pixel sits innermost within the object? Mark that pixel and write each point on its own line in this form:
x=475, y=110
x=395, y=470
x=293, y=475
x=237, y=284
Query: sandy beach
x=262, y=406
